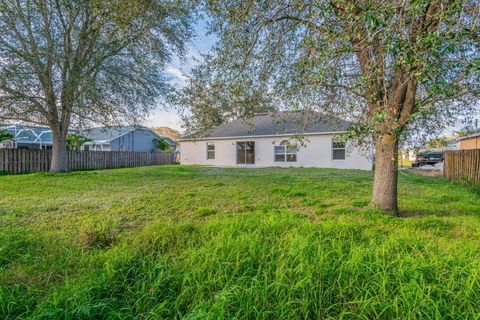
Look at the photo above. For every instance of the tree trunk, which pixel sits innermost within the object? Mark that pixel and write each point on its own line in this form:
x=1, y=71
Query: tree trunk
x=384, y=194
x=59, y=151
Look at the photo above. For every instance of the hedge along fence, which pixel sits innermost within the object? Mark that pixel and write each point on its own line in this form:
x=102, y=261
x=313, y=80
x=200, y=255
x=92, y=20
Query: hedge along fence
x=463, y=165
x=24, y=160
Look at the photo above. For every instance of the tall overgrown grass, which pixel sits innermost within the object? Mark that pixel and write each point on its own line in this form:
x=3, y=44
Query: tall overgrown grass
x=223, y=244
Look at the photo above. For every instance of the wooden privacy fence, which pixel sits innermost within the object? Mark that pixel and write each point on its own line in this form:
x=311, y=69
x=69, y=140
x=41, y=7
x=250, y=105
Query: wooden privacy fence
x=463, y=165
x=23, y=160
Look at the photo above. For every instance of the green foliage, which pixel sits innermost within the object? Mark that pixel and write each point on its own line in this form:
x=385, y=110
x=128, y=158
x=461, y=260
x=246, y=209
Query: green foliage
x=75, y=141
x=439, y=143
x=5, y=135
x=162, y=145
x=289, y=243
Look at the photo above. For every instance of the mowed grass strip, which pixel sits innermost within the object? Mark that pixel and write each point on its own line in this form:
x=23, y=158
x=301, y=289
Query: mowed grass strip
x=211, y=243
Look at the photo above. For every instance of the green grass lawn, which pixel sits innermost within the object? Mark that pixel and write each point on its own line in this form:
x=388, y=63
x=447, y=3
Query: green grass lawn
x=211, y=243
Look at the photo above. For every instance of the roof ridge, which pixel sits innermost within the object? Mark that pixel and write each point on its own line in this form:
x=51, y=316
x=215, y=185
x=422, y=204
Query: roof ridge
x=267, y=124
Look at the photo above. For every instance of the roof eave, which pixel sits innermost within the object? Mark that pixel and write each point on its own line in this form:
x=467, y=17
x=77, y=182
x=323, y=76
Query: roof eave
x=474, y=135
x=264, y=136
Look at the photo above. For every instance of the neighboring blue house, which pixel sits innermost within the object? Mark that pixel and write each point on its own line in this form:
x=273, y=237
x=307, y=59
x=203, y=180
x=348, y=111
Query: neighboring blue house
x=123, y=138
x=117, y=138
x=28, y=137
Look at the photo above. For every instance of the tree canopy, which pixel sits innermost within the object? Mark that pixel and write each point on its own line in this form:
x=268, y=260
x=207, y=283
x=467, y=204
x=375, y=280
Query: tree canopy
x=211, y=98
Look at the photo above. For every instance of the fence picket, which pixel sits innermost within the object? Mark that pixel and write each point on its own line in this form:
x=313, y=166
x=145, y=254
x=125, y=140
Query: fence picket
x=463, y=165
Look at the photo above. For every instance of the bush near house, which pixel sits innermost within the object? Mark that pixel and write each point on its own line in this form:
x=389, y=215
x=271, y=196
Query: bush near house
x=211, y=243
x=162, y=145
x=5, y=135
x=75, y=141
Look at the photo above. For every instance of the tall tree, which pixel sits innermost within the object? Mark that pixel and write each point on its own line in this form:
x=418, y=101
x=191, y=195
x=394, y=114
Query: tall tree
x=66, y=62
x=384, y=64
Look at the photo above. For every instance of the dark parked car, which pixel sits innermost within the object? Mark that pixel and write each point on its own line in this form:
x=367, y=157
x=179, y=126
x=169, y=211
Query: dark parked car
x=428, y=158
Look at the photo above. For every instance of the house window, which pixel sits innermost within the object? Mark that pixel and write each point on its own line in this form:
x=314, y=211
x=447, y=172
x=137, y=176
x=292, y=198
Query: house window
x=285, y=152
x=246, y=152
x=210, y=150
x=338, y=149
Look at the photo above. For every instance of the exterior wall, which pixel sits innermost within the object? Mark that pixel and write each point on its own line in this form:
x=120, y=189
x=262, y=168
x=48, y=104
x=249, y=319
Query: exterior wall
x=470, y=143
x=135, y=141
x=317, y=153
x=115, y=145
x=123, y=143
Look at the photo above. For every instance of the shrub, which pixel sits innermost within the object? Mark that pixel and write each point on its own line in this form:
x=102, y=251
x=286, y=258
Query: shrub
x=76, y=140
x=5, y=135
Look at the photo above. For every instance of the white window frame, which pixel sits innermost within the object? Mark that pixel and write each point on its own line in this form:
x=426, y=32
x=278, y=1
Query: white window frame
x=344, y=148
x=286, y=152
x=209, y=151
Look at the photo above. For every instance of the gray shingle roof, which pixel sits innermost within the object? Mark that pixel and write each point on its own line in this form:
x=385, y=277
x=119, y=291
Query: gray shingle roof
x=34, y=134
x=109, y=133
x=169, y=141
x=279, y=124
x=114, y=132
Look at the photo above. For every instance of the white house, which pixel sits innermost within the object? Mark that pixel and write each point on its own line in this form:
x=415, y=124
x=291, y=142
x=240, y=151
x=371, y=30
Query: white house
x=268, y=140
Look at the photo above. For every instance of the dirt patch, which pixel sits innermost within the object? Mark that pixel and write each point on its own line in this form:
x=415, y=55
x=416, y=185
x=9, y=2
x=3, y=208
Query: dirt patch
x=426, y=173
